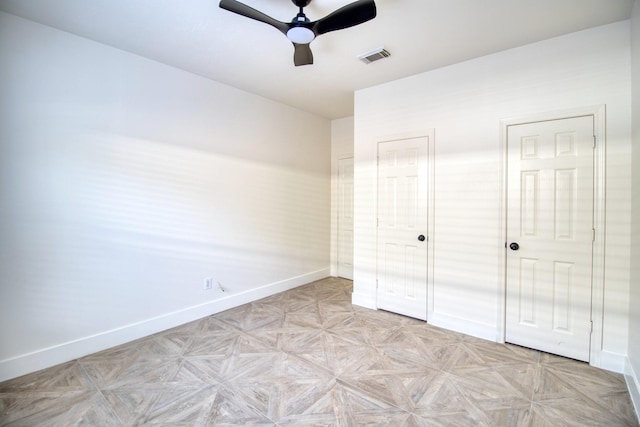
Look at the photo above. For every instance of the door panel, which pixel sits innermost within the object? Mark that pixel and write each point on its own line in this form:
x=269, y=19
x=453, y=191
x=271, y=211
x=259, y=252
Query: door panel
x=345, y=218
x=562, y=278
x=402, y=218
x=527, y=286
x=550, y=217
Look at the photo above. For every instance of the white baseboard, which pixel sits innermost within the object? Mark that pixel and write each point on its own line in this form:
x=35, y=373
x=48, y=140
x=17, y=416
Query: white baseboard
x=465, y=326
x=65, y=352
x=633, y=384
x=614, y=362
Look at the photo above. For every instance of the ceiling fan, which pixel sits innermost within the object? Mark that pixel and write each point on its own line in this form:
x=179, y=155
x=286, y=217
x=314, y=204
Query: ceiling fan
x=301, y=31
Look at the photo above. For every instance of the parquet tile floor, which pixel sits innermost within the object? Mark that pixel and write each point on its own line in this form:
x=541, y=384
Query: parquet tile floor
x=307, y=357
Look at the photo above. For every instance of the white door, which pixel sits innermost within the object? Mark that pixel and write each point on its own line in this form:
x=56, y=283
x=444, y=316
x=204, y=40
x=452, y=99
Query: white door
x=345, y=218
x=402, y=226
x=550, y=235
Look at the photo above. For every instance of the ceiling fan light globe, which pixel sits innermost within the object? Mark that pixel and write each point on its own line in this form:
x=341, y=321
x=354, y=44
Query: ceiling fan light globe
x=300, y=35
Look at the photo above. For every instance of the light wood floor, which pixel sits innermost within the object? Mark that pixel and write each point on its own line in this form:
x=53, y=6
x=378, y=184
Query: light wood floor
x=307, y=357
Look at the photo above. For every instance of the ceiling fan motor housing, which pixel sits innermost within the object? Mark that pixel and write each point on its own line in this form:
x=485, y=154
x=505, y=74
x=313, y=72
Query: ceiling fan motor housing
x=300, y=18
x=300, y=32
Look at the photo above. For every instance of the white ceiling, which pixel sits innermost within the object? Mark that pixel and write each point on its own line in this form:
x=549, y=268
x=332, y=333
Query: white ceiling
x=198, y=36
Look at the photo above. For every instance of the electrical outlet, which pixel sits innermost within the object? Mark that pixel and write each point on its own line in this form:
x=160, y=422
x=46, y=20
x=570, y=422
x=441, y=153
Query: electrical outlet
x=208, y=283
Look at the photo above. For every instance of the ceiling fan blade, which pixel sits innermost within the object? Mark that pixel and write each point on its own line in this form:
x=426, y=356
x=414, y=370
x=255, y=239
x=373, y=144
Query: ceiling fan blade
x=347, y=16
x=302, y=54
x=244, y=10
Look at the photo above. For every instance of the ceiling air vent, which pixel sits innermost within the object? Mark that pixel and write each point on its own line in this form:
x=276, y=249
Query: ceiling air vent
x=374, y=55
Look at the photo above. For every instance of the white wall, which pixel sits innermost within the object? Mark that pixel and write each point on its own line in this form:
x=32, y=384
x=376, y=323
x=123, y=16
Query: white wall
x=633, y=370
x=341, y=148
x=465, y=103
x=125, y=182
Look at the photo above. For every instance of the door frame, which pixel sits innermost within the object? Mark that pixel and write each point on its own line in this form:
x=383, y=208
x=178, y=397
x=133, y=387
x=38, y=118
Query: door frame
x=598, y=112
x=337, y=214
x=430, y=135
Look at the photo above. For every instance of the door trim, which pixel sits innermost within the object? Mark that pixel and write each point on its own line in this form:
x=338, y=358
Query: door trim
x=598, y=112
x=337, y=216
x=430, y=135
